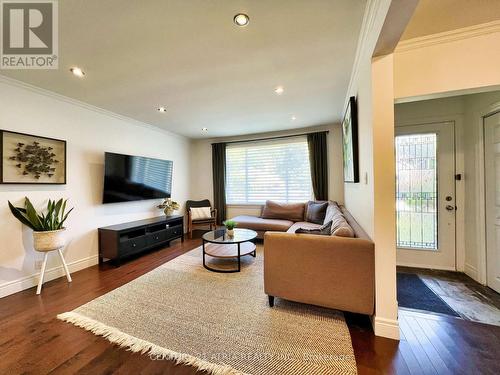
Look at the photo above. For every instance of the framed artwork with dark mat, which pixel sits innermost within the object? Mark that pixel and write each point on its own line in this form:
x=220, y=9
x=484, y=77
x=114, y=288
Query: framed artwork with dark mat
x=31, y=159
x=350, y=142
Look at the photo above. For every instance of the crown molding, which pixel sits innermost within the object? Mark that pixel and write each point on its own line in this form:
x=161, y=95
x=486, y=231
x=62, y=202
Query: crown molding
x=371, y=25
x=38, y=90
x=449, y=36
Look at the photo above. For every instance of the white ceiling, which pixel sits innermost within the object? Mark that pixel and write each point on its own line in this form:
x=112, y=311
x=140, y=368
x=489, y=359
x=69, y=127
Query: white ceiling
x=191, y=58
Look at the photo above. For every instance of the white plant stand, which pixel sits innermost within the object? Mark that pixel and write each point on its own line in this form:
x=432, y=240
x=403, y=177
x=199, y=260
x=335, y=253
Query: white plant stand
x=44, y=265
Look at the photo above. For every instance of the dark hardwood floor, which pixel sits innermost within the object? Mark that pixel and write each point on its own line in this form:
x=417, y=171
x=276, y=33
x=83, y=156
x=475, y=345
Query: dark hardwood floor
x=33, y=341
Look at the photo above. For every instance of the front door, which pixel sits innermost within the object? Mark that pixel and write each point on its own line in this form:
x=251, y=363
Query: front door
x=425, y=195
x=492, y=189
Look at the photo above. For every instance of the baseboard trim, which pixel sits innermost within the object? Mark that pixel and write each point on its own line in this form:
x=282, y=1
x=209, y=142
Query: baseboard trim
x=427, y=266
x=471, y=271
x=383, y=327
x=27, y=282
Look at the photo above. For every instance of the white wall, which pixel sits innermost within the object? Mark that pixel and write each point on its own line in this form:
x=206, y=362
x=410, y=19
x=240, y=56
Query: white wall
x=201, y=166
x=441, y=63
x=89, y=133
x=475, y=107
x=466, y=112
x=358, y=197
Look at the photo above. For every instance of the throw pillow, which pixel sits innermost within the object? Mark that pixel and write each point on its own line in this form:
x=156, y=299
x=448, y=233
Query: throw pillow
x=343, y=231
x=324, y=230
x=201, y=213
x=340, y=226
x=315, y=212
x=330, y=211
x=284, y=211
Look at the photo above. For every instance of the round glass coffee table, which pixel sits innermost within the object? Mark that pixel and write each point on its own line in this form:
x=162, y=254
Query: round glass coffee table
x=223, y=246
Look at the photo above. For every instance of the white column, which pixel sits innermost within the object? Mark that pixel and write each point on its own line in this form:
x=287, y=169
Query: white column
x=384, y=172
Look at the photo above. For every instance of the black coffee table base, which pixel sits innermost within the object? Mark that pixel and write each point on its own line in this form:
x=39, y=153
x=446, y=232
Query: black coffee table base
x=238, y=255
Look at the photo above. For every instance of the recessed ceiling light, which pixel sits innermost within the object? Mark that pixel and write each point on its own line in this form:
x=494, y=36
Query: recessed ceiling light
x=77, y=71
x=204, y=129
x=162, y=109
x=279, y=90
x=241, y=19
x=293, y=118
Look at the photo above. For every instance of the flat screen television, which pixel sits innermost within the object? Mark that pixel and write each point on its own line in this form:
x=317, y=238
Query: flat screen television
x=134, y=178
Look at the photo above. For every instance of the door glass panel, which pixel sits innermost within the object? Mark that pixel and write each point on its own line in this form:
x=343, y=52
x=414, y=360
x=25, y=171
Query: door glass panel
x=416, y=191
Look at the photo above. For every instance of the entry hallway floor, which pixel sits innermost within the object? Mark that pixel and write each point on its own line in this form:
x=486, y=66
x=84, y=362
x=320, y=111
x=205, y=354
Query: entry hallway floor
x=471, y=300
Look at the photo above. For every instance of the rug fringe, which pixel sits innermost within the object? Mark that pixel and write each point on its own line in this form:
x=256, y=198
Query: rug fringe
x=137, y=345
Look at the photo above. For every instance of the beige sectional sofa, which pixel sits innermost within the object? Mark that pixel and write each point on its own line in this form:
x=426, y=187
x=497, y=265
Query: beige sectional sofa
x=261, y=225
x=323, y=270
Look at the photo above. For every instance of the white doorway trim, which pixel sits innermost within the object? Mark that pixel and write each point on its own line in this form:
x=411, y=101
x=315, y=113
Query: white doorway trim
x=458, y=121
x=481, y=273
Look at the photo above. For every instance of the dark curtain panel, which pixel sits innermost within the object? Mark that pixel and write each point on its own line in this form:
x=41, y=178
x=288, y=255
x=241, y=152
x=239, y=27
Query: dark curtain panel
x=219, y=178
x=318, y=160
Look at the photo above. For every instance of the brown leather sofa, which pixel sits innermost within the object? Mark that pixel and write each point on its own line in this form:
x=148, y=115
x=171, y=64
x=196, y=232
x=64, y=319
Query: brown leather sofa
x=329, y=271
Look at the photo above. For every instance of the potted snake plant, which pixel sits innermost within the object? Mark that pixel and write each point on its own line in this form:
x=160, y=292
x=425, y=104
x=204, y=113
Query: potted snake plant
x=48, y=226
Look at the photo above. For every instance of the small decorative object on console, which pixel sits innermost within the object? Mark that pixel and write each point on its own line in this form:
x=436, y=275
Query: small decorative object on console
x=230, y=225
x=169, y=206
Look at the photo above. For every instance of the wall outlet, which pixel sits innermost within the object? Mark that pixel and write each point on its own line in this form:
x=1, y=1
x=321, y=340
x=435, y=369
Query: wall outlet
x=38, y=264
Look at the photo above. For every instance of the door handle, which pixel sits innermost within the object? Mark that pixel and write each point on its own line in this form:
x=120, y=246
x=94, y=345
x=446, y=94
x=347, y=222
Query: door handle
x=449, y=207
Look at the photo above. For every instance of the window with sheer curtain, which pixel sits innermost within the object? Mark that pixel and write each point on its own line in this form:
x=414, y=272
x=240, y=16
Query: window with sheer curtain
x=271, y=169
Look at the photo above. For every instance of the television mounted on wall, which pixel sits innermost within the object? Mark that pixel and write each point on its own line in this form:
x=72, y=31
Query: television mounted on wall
x=133, y=178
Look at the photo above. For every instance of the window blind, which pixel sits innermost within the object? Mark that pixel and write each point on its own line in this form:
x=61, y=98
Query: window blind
x=271, y=169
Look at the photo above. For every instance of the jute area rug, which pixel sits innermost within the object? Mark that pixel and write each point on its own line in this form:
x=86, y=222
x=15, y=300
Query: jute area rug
x=220, y=323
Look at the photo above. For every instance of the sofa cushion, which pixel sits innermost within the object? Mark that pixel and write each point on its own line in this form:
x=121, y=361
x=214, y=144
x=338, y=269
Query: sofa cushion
x=343, y=231
x=340, y=226
x=284, y=211
x=316, y=211
x=303, y=225
x=261, y=224
x=331, y=210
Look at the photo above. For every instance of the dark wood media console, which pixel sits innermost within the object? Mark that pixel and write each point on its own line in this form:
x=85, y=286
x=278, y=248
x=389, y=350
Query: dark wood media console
x=121, y=240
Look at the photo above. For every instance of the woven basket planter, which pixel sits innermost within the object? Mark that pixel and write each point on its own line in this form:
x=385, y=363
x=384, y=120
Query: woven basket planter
x=49, y=240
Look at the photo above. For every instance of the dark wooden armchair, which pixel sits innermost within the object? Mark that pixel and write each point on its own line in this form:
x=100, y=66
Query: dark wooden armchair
x=211, y=222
